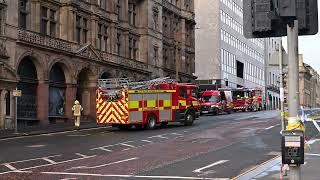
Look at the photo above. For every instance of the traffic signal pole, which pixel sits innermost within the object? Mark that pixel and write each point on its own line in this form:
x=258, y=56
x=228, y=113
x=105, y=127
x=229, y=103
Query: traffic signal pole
x=293, y=84
x=281, y=86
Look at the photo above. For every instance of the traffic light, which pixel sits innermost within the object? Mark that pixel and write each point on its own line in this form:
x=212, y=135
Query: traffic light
x=269, y=18
x=260, y=19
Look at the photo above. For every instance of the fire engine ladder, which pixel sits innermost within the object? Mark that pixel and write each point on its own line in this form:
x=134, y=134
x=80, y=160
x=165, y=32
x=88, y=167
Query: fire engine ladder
x=111, y=86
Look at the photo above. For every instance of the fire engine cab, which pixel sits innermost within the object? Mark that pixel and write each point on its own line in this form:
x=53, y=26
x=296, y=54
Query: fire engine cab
x=215, y=102
x=122, y=103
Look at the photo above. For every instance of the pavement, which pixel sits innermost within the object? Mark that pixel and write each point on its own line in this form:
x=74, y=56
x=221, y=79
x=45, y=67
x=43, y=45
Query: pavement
x=271, y=169
x=215, y=147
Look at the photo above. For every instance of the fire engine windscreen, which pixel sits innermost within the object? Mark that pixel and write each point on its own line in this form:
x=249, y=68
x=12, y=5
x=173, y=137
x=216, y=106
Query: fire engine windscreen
x=210, y=99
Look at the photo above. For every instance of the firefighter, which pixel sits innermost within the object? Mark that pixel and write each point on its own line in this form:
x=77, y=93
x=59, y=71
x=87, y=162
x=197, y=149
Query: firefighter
x=77, y=108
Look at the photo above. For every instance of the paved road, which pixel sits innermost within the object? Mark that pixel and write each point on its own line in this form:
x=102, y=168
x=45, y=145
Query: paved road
x=215, y=147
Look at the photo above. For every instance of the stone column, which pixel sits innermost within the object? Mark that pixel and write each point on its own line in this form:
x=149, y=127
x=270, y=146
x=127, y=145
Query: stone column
x=71, y=91
x=92, y=113
x=43, y=102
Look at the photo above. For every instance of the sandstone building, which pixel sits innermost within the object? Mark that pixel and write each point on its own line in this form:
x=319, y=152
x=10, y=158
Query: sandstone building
x=55, y=50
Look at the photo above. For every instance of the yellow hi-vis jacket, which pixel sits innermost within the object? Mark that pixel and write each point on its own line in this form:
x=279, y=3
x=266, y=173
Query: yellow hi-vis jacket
x=77, y=108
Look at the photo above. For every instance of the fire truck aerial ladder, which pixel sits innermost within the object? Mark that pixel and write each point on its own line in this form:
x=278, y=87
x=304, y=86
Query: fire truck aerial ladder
x=122, y=103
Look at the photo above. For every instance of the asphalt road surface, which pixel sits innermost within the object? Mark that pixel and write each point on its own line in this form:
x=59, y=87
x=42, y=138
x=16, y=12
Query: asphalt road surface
x=215, y=147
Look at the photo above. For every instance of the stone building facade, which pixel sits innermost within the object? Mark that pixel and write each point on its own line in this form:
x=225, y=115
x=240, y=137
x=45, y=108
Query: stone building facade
x=272, y=74
x=309, y=85
x=56, y=50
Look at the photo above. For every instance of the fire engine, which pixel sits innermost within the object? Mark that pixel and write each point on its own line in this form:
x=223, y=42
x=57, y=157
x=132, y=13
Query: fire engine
x=123, y=103
x=215, y=102
x=255, y=100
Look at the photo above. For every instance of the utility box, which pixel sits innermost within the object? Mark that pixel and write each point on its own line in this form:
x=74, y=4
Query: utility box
x=292, y=147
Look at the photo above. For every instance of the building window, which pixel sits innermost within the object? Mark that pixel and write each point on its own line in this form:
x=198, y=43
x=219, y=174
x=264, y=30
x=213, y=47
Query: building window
x=106, y=38
x=44, y=20
x=102, y=4
x=23, y=14
x=135, y=49
x=155, y=19
x=156, y=55
x=99, y=42
x=52, y=23
x=7, y=98
x=78, y=29
x=130, y=48
x=118, y=9
x=1, y=20
x=81, y=28
x=132, y=14
x=119, y=44
x=85, y=30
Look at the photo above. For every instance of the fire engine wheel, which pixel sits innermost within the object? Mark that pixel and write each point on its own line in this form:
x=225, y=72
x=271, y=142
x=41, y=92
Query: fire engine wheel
x=152, y=122
x=189, y=119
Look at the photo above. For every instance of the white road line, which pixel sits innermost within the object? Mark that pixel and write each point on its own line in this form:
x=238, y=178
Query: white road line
x=78, y=135
x=10, y=167
x=103, y=149
x=49, y=160
x=313, y=141
x=311, y=154
x=269, y=127
x=177, y=134
x=111, y=145
x=103, y=165
x=147, y=141
x=36, y=146
x=82, y=155
x=128, y=145
x=210, y=165
x=48, y=134
x=158, y=136
x=31, y=159
x=125, y=149
x=71, y=160
x=132, y=176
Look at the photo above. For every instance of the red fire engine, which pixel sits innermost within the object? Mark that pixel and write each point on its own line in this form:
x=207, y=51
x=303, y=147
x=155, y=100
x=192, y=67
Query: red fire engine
x=255, y=100
x=122, y=103
x=215, y=102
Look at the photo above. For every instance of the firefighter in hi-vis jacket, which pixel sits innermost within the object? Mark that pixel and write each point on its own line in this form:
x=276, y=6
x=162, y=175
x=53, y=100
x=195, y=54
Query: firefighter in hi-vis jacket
x=77, y=108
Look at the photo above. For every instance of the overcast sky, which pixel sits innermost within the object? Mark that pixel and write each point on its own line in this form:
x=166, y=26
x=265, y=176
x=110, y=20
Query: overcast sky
x=309, y=46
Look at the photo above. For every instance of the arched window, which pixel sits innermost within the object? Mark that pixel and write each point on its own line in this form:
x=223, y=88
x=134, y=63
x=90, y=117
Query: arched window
x=57, y=91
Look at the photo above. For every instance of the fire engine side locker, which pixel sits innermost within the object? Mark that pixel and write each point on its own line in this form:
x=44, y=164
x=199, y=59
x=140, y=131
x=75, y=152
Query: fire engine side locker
x=144, y=102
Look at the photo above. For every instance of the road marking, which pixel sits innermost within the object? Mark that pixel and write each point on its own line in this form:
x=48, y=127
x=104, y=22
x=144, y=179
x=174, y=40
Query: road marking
x=125, y=149
x=82, y=155
x=147, y=141
x=36, y=146
x=103, y=165
x=45, y=165
x=78, y=135
x=313, y=141
x=55, y=133
x=31, y=159
x=159, y=136
x=270, y=127
x=311, y=154
x=49, y=160
x=132, y=176
x=10, y=167
x=104, y=147
x=128, y=145
x=210, y=165
x=177, y=134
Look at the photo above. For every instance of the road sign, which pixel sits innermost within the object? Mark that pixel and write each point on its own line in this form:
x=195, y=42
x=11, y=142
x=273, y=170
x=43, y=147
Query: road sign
x=17, y=93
